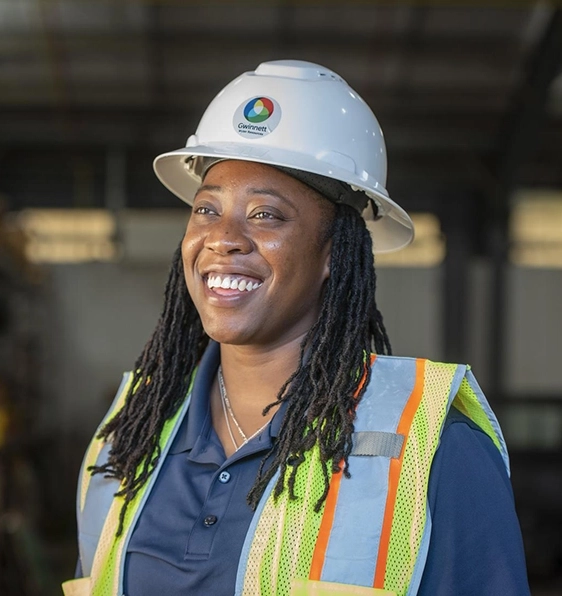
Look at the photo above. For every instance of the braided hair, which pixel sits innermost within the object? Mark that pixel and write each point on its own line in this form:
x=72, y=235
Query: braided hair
x=321, y=394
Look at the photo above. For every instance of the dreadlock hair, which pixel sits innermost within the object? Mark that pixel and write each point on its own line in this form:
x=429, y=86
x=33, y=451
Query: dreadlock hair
x=161, y=377
x=321, y=395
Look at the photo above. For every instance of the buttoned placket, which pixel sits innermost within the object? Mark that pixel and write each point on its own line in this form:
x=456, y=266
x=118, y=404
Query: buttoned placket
x=207, y=451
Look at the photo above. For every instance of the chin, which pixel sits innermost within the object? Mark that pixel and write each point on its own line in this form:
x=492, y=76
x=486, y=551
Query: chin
x=224, y=334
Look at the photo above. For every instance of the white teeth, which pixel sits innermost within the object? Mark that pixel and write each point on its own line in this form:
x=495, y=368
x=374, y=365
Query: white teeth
x=214, y=282
x=231, y=283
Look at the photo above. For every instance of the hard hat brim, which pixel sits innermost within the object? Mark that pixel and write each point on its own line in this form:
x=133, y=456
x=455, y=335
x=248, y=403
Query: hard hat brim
x=392, y=231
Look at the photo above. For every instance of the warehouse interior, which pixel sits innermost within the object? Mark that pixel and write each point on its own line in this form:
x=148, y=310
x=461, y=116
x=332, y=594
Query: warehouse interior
x=469, y=97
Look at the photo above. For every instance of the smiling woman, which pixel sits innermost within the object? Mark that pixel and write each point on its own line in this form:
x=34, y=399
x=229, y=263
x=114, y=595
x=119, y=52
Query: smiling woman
x=254, y=225
x=266, y=441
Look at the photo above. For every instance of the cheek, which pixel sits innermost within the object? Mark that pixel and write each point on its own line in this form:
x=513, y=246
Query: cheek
x=190, y=245
x=189, y=252
x=185, y=253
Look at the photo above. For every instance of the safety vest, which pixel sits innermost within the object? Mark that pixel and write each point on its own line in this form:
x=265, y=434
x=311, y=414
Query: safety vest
x=371, y=535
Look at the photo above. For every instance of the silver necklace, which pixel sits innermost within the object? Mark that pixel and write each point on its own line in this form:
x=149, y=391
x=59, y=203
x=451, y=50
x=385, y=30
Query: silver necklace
x=228, y=422
x=227, y=406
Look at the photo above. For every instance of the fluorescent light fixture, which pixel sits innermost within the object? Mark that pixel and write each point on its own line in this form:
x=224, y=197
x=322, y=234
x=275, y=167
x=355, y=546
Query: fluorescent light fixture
x=535, y=229
x=69, y=235
x=427, y=250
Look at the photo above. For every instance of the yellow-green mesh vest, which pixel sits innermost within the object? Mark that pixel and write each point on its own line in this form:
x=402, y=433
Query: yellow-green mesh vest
x=381, y=510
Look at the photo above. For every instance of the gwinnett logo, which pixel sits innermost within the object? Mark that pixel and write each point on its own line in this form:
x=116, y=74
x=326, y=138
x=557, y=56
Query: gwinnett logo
x=257, y=117
x=258, y=109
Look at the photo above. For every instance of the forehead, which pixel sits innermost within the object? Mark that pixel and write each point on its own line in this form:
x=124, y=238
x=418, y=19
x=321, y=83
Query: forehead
x=235, y=175
x=240, y=169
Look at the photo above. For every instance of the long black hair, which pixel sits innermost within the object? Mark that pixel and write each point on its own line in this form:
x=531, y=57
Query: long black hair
x=321, y=394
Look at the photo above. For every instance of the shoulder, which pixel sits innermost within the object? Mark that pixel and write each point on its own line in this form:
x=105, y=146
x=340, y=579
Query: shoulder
x=466, y=452
x=476, y=544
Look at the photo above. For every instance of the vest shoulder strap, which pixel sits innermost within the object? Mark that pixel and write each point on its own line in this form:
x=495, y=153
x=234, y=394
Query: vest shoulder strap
x=97, y=507
x=109, y=559
x=93, y=505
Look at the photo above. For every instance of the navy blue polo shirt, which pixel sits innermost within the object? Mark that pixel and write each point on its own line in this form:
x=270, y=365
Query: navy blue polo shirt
x=190, y=534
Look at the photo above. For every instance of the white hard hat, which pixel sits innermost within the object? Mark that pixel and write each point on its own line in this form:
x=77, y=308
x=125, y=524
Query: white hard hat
x=296, y=116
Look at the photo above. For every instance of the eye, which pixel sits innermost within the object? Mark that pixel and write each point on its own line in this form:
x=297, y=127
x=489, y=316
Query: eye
x=264, y=215
x=204, y=211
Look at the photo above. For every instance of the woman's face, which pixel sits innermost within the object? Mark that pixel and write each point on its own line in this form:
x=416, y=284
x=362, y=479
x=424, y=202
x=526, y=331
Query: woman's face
x=256, y=254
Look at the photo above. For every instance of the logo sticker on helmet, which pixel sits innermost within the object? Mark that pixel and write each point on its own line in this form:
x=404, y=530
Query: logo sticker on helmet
x=257, y=117
x=259, y=109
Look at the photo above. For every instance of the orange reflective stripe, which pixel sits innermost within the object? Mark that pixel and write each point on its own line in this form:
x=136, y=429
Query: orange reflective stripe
x=325, y=527
x=364, y=376
x=394, y=473
x=330, y=508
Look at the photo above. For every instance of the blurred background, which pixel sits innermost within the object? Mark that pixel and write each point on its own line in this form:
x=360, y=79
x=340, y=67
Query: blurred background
x=470, y=99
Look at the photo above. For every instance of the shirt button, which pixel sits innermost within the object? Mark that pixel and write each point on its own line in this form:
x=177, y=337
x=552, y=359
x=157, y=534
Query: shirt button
x=224, y=477
x=210, y=520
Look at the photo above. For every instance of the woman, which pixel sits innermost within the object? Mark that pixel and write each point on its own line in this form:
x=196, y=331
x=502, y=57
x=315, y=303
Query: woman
x=259, y=447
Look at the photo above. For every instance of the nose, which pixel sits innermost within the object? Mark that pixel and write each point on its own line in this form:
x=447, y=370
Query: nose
x=228, y=235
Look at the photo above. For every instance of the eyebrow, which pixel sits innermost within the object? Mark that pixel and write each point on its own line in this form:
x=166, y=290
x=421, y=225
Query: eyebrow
x=254, y=191
x=208, y=187
x=273, y=193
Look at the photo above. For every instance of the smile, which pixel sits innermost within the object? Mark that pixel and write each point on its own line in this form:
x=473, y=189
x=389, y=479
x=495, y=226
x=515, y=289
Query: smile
x=232, y=282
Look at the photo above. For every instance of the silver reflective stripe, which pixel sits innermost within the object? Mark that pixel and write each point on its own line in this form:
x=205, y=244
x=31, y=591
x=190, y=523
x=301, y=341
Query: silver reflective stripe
x=372, y=443
x=91, y=513
x=361, y=503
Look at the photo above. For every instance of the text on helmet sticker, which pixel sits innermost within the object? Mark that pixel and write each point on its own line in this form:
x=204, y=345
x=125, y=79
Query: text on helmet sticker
x=257, y=117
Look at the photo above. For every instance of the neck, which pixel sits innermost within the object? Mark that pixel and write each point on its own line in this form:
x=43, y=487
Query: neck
x=253, y=376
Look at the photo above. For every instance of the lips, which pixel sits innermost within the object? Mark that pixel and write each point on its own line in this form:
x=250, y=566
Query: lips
x=231, y=282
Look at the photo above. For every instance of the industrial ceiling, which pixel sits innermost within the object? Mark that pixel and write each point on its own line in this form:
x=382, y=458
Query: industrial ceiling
x=469, y=98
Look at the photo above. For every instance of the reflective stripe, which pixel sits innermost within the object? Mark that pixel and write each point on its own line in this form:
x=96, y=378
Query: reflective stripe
x=97, y=504
x=330, y=505
x=101, y=553
x=95, y=493
x=326, y=527
x=93, y=452
x=361, y=500
x=109, y=559
x=394, y=474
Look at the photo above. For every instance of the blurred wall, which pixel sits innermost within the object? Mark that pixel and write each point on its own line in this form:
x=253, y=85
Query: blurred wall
x=104, y=313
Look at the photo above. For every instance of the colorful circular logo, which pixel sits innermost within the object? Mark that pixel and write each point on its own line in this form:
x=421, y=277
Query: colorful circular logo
x=256, y=117
x=258, y=109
